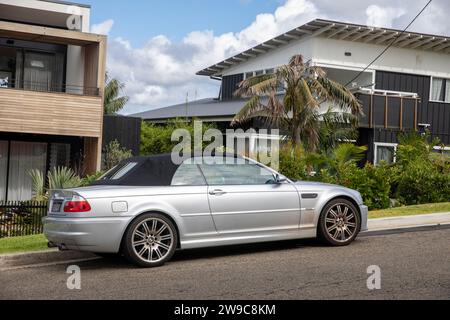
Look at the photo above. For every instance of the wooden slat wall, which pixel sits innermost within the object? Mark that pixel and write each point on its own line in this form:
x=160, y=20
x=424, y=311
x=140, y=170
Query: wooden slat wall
x=50, y=113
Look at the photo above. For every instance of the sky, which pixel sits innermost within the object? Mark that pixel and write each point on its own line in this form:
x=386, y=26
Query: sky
x=155, y=47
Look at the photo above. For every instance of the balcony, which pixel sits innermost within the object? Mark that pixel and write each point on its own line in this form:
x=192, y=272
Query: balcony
x=388, y=109
x=7, y=83
x=51, y=80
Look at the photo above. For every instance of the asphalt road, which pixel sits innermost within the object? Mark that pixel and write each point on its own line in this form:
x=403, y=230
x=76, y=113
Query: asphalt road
x=414, y=265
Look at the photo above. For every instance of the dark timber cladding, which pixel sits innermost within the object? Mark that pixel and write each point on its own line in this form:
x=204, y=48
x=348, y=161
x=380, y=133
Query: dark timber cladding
x=436, y=114
x=230, y=84
x=126, y=130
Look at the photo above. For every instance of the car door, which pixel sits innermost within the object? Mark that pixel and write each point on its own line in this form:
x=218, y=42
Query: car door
x=244, y=197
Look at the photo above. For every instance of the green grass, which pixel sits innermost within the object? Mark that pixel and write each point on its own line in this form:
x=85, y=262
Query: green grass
x=411, y=210
x=23, y=244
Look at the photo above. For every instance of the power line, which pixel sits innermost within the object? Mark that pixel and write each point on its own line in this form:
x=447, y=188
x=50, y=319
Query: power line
x=390, y=44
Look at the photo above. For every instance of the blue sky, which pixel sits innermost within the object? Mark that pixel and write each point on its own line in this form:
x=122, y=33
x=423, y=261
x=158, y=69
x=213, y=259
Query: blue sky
x=155, y=47
x=139, y=20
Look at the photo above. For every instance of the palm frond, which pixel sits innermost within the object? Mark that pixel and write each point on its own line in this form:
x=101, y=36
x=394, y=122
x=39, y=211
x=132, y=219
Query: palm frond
x=248, y=111
x=246, y=87
x=348, y=152
x=340, y=95
x=113, y=102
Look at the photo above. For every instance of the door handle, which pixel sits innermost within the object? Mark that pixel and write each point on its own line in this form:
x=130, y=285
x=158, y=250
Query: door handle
x=217, y=192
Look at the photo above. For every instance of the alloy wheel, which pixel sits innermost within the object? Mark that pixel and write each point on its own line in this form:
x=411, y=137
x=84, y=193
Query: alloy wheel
x=341, y=222
x=152, y=240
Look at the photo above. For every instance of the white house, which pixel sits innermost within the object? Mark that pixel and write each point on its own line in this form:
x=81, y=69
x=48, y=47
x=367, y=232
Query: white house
x=407, y=88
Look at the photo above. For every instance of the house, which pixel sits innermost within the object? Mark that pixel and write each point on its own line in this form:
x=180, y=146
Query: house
x=52, y=73
x=407, y=88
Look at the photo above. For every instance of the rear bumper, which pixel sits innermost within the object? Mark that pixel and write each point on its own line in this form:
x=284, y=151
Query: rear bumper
x=86, y=234
x=364, y=216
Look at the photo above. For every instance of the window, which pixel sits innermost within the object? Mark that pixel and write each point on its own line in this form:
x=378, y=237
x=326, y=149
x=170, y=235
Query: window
x=24, y=157
x=248, y=75
x=237, y=173
x=385, y=152
x=118, y=172
x=188, y=174
x=440, y=90
x=259, y=72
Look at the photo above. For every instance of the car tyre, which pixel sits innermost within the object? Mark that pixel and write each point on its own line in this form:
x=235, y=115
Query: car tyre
x=339, y=223
x=150, y=240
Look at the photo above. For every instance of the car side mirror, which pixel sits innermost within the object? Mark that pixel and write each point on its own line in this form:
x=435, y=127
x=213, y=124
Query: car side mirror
x=279, y=179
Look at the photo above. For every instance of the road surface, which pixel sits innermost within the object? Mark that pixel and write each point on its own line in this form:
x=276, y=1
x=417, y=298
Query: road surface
x=414, y=265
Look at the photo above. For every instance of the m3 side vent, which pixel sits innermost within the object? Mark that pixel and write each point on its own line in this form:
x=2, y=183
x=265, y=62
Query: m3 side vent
x=309, y=195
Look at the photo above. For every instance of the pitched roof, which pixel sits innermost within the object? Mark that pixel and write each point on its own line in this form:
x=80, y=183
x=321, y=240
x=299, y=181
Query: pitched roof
x=197, y=109
x=340, y=31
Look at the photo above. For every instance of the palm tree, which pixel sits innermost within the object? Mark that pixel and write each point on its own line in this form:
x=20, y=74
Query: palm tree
x=113, y=102
x=335, y=160
x=306, y=88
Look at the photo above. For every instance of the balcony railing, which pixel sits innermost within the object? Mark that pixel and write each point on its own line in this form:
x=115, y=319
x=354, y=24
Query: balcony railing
x=49, y=87
x=388, y=109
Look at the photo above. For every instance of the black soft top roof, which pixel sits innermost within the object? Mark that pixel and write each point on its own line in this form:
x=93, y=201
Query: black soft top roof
x=148, y=171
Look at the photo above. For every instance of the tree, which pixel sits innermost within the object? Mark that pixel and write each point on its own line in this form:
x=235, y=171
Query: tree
x=113, y=101
x=307, y=88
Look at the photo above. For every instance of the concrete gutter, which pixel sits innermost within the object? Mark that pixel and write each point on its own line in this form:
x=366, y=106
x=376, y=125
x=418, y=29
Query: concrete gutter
x=407, y=222
x=376, y=226
x=42, y=258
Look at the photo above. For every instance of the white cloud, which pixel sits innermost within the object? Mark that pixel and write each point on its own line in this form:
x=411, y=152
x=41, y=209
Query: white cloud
x=162, y=72
x=383, y=16
x=103, y=27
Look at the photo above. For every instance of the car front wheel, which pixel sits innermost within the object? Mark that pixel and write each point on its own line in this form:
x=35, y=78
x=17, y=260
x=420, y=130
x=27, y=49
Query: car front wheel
x=150, y=241
x=339, y=223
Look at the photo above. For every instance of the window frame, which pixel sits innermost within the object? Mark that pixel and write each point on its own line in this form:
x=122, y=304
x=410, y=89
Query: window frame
x=447, y=83
x=248, y=162
x=384, y=144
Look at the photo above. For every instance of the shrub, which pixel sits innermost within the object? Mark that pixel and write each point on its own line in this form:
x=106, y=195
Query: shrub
x=62, y=178
x=88, y=180
x=156, y=139
x=114, y=154
x=292, y=163
x=38, y=185
x=422, y=182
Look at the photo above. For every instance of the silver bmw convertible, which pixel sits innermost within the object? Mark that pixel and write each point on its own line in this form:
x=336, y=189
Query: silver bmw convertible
x=148, y=207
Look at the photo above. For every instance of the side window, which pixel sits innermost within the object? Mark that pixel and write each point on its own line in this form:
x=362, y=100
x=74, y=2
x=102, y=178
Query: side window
x=188, y=174
x=236, y=174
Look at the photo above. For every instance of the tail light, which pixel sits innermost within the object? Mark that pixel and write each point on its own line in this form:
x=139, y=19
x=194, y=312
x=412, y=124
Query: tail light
x=77, y=204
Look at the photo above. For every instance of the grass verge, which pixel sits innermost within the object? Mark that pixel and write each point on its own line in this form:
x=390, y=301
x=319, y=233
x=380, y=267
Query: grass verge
x=411, y=210
x=23, y=244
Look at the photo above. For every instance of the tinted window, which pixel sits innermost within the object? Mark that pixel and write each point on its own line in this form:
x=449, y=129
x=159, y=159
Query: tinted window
x=188, y=175
x=241, y=173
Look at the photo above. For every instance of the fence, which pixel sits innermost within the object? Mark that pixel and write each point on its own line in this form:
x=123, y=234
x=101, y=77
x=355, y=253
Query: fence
x=21, y=218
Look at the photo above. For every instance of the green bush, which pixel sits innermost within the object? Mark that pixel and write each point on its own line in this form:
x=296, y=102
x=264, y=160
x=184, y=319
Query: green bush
x=422, y=182
x=114, y=154
x=292, y=163
x=157, y=139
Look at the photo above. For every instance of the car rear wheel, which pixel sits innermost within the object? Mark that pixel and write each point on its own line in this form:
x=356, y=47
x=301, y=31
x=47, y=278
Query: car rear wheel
x=150, y=241
x=339, y=223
